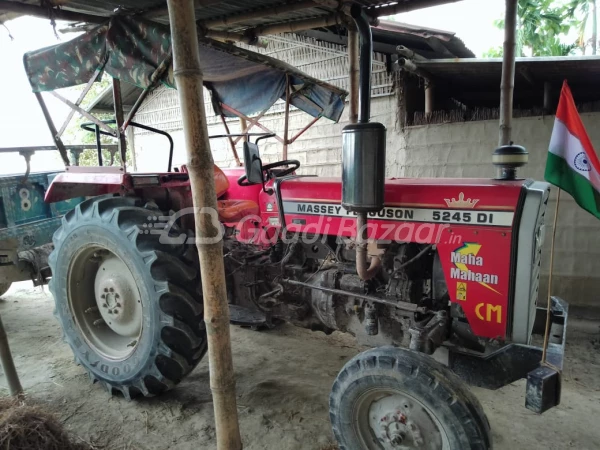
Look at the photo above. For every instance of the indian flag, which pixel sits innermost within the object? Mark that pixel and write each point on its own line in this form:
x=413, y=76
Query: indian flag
x=572, y=162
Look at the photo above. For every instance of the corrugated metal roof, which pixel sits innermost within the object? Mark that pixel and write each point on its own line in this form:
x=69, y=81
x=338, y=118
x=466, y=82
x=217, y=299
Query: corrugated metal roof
x=233, y=7
x=477, y=81
x=415, y=37
x=216, y=9
x=428, y=42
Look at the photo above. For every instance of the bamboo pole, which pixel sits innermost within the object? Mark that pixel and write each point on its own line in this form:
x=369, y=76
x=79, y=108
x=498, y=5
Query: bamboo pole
x=200, y=165
x=429, y=98
x=594, y=15
x=549, y=305
x=243, y=128
x=507, y=85
x=286, y=119
x=547, y=97
x=8, y=365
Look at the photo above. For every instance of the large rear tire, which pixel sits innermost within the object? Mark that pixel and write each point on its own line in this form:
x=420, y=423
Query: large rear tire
x=4, y=287
x=392, y=398
x=130, y=307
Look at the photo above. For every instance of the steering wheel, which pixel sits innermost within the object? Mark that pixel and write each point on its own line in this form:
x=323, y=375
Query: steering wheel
x=242, y=181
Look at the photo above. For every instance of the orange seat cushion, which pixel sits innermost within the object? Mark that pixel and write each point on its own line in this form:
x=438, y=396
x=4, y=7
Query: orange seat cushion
x=236, y=210
x=221, y=182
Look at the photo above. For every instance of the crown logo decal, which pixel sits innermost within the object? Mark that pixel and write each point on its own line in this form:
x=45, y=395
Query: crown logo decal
x=461, y=202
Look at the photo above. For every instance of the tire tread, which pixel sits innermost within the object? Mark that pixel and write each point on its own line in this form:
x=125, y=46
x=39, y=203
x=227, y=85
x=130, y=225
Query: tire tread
x=170, y=270
x=433, y=375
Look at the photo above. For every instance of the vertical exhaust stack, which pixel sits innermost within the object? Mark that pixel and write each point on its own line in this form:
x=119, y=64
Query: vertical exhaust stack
x=363, y=154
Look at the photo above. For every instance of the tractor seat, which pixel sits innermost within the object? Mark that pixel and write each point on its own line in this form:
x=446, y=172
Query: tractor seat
x=221, y=181
x=236, y=210
x=231, y=210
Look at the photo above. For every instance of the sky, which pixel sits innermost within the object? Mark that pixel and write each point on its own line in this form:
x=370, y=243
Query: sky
x=22, y=122
x=471, y=20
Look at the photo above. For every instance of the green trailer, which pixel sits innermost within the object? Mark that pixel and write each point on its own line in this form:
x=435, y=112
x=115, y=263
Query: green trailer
x=27, y=223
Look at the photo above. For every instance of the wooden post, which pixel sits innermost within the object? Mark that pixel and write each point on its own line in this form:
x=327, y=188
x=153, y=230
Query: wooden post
x=244, y=127
x=594, y=15
x=507, y=85
x=286, y=119
x=200, y=165
x=549, y=305
x=354, y=73
x=8, y=365
x=547, y=97
x=429, y=98
x=130, y=136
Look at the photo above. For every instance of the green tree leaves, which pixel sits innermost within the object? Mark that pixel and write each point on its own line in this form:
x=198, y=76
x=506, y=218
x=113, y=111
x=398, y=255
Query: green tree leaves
x=543, y=27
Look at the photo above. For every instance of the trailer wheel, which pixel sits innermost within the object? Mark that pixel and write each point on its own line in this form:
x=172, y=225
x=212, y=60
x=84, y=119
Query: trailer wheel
x=130, y=307
x=391, y=398
x=4, y=287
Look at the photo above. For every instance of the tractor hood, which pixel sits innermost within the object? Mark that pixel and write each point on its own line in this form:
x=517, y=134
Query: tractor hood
x=488, y=202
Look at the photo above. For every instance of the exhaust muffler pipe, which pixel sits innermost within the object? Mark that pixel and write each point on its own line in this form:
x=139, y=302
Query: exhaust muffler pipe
x=363, y=154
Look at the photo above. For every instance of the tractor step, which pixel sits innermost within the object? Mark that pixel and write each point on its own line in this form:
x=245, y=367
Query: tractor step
x=238, y=315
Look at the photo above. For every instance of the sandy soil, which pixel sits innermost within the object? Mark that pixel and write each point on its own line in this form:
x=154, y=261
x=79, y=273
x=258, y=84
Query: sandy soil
x=283, y=382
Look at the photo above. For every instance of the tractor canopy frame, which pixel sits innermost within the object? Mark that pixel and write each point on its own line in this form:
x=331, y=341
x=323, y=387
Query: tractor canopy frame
x=242, y=83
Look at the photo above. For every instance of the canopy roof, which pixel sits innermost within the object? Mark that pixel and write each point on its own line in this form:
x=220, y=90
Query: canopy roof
x=248, y=16
x=474, y=82
x=132, y=50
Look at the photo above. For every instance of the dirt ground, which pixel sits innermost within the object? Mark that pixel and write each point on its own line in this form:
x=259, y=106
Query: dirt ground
x=283, y=382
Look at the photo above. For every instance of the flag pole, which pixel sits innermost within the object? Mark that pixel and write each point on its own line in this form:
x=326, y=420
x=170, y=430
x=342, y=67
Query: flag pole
x=549, y=306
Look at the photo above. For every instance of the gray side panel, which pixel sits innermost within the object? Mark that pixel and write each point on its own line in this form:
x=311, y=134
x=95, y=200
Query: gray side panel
x=531, y=238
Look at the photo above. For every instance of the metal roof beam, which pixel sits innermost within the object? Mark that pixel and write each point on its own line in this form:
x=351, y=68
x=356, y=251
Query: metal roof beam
x=258, y=14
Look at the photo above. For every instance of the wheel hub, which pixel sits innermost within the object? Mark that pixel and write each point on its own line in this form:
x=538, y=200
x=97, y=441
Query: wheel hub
x=117, y=297
x=105, y=301
x=398, y=423
x=394, y=428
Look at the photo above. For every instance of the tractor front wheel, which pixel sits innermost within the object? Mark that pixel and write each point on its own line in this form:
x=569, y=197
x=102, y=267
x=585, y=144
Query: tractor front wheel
x=130, y=306
x=392, y=398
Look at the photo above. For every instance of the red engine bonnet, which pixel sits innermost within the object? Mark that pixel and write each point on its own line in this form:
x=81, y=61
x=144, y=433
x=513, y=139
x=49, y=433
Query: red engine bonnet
x=470, y=221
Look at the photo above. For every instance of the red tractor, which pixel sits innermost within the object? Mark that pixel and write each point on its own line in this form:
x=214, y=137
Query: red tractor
x=411, y=267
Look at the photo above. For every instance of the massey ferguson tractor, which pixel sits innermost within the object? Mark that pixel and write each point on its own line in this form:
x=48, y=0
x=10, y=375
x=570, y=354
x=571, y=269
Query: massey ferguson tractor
x=439, y=276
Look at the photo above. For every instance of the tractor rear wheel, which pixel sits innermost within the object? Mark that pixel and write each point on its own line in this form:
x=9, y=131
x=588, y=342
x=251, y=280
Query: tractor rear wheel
x=4, y=287
x=130, y=307
x=391, y=398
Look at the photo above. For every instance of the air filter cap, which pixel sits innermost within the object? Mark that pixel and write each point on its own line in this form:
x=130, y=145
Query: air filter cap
x=508, y=158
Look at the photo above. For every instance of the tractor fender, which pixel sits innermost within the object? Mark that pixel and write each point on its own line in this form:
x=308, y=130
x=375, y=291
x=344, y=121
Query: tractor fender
x=72, y=184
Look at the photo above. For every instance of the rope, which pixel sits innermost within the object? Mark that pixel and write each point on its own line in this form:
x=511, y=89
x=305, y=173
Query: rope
x=548, y=308
x=8, y=30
